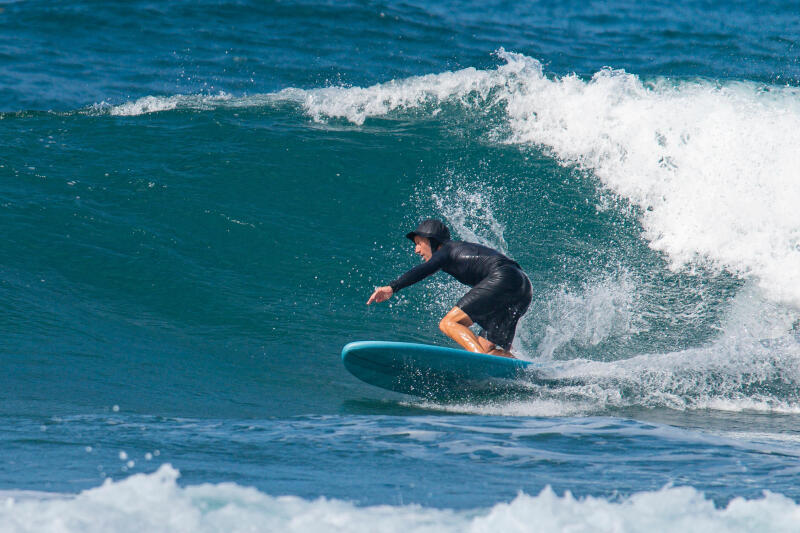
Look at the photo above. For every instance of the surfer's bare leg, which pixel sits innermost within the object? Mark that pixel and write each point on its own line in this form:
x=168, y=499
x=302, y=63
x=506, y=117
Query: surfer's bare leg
x=455, y=325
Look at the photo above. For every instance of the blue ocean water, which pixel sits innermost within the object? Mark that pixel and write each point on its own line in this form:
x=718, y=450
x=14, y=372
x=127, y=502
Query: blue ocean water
x=197, y=198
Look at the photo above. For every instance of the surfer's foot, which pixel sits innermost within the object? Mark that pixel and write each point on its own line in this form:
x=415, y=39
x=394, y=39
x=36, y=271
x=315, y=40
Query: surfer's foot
x=501, y=352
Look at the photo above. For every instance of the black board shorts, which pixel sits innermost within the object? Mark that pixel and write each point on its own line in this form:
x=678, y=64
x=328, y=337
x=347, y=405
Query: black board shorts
x=497, y=302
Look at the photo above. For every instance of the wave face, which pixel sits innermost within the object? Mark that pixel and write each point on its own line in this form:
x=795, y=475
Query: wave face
x=196, y=200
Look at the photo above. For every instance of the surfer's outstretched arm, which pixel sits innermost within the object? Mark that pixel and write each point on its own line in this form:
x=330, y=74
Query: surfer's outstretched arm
x=421, y=271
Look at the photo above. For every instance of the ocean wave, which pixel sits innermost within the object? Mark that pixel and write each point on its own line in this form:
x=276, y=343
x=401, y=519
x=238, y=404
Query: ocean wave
x=155, y=502
x=710, y=165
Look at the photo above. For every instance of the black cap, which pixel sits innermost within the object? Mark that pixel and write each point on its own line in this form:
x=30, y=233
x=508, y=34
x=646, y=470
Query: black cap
x=431, y=229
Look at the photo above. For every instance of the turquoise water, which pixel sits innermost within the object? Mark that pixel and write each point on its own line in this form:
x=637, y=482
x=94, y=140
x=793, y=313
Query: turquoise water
x=198, y=198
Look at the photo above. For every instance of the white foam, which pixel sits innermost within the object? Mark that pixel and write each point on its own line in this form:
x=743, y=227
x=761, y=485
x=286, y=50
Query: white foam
x=713, y=168
x=155, y=502
x=356, y=104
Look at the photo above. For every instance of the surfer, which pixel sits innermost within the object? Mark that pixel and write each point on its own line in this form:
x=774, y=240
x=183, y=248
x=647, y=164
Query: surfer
x=500, y=293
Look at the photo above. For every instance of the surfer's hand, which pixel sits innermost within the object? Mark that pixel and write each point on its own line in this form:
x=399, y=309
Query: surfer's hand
x=381, y=294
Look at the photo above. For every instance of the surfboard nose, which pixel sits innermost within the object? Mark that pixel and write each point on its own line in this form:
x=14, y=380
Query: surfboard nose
x=354, y=347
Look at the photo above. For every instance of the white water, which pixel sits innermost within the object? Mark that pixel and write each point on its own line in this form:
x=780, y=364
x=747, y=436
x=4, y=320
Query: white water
x=157, y=104
x=156, y=503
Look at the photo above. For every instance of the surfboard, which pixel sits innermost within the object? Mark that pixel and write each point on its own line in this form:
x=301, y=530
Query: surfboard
x=434, y=371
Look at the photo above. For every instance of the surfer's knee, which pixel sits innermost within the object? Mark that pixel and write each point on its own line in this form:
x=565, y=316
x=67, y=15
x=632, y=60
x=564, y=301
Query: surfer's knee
x=455, y=317
x=445, y=324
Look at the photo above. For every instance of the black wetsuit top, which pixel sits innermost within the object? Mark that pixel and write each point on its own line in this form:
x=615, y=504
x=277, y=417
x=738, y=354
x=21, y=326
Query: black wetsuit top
x=468, y=262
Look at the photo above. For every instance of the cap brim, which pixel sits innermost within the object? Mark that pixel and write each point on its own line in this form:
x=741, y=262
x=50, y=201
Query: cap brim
x=410, y=235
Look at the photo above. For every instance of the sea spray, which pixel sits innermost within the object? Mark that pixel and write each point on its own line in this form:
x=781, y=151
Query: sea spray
x=574, y=321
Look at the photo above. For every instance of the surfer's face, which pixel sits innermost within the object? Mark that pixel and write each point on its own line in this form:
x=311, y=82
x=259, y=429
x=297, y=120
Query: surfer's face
x=422, y=247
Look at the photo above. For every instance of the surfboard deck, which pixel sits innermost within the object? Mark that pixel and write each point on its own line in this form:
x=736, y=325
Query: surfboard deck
x=434, y=371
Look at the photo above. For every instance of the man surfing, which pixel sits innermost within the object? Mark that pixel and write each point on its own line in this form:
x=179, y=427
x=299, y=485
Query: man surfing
x=500, y=293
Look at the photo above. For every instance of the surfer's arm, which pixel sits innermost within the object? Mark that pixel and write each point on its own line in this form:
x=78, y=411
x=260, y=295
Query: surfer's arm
x=420, y=272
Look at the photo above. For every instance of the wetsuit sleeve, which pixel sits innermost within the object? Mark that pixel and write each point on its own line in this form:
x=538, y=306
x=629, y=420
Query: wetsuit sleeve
x=421, y=271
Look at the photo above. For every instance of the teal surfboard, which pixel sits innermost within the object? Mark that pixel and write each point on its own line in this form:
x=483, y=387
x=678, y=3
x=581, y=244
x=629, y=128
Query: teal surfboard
x=434, y=371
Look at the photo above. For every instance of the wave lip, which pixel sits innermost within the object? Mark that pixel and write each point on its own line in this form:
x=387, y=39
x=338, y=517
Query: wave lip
x=155, y=502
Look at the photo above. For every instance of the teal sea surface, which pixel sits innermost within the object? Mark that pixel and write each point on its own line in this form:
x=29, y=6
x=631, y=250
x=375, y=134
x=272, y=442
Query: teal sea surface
x=197, y=199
